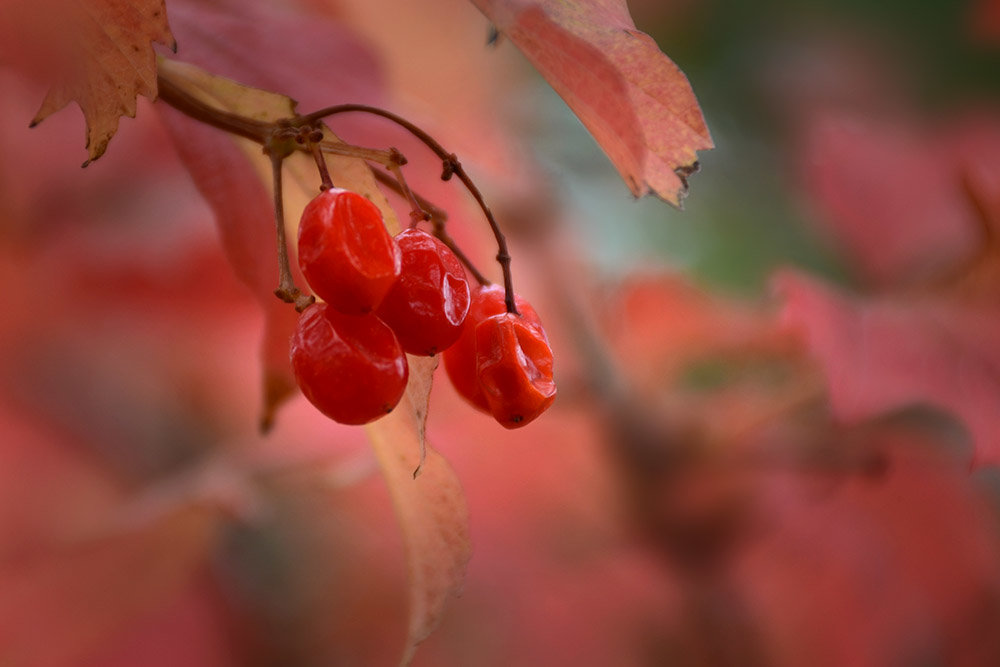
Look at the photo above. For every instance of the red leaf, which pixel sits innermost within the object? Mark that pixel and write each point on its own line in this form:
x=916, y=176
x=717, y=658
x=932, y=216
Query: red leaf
x=888, y=196
x=635, y=102
x=73, y=573
x=883, y=354
x=911, y=207
x=892, y=195
x=897, y=569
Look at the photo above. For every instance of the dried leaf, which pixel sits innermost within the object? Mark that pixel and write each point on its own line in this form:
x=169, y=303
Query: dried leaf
x=636, y=103
x=431, y=507
x=109, y=61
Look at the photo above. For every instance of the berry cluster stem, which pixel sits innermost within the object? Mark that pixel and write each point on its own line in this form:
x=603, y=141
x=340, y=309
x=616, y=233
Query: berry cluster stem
x=304, y=133
x=287, y=291
x=451, y=167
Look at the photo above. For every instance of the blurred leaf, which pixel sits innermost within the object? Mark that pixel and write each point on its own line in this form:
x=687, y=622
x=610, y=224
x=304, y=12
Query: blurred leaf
x=909, y=207
x=80, y=592
x=900, y=567
x=884, y=354
x=636, y=103
x=109, y=62
x=430, y=505
x=889, y=194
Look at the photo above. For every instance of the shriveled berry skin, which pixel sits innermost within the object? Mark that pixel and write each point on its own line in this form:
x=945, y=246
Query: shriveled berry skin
x=514, y=366
x=346, y=254
x=350, y=367
x=429, y=301
x=460, y=358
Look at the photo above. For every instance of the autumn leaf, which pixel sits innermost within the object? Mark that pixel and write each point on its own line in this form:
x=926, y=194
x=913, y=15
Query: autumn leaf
x=59, y=560
x=919, y=213
x=899, y=565
x=430, y=505
x=49, y=594
x=889, y=195
x=107, y=60
x=886, y=354
x=636, y=103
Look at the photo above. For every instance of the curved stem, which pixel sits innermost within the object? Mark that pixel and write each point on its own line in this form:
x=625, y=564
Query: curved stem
x=451, y=167
x=278, y=143
x=437, y=218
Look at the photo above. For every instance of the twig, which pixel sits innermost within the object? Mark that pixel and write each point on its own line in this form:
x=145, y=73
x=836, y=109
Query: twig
x=451, y=167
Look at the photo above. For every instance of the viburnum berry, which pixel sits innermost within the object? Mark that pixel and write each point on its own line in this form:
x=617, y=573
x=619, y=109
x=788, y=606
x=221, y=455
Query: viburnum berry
x=514, y=368
x=346, y=254
x=429, y=301
x=350, y=367
x=460, y=358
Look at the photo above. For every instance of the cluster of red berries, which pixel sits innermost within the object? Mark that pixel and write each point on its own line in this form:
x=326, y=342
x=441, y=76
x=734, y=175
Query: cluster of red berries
x=384, y=297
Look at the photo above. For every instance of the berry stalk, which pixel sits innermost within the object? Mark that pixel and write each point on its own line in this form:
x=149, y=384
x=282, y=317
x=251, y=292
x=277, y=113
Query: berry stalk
x=451, y=167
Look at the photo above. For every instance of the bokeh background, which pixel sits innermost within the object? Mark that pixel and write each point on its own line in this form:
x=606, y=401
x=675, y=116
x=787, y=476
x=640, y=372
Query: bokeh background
x=691, y=499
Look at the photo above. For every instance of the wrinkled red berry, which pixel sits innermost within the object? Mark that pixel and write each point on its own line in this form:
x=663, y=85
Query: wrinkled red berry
x=345, y=252
x=460, y=358
x=428, y=302
x=350, y=367
x=514, y=367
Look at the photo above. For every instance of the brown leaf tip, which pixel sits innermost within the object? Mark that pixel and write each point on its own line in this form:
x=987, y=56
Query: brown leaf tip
x=684, y=171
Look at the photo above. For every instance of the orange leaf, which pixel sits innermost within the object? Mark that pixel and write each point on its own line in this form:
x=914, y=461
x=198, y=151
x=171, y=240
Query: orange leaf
x=109, y=61
x=636, y=103
x=430, y=506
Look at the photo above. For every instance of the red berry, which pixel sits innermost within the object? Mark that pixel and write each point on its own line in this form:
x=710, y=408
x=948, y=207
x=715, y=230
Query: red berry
x=514, y=366
x=460, y=358
x=428, y=302
x=345, y=251
x=350, y=367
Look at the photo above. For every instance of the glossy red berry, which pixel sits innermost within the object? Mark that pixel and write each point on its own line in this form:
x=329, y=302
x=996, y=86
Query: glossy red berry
x=350, y=367
x=345, y=252
x=429, y=301
x=460, y=358
x=514, y=367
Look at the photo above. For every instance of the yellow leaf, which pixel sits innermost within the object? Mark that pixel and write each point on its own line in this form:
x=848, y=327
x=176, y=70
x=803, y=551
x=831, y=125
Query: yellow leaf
x=430, y=506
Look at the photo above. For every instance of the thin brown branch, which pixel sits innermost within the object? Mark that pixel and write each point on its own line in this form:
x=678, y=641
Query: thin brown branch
x=438, y=217
x=287, y=291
